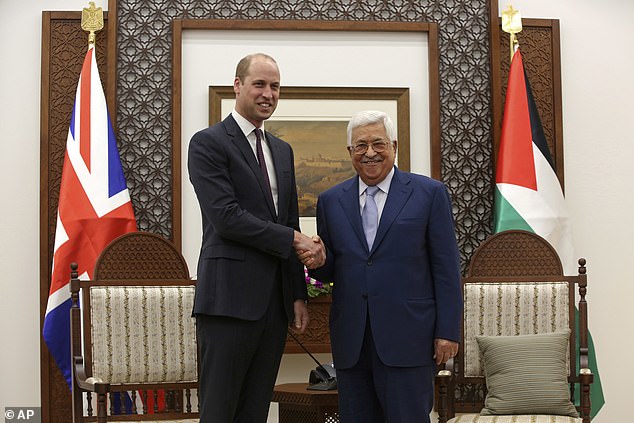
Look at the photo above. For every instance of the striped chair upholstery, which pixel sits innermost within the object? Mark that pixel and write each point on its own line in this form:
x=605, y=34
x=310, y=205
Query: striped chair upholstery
x=143, y=334
x=139, y=342
x=507, y=308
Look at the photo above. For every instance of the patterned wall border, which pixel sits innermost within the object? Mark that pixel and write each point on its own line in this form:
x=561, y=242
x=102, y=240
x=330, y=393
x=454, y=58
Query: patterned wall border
x=144, y=42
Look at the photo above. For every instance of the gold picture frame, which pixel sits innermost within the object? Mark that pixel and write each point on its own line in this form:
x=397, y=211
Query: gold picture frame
x=314, y=120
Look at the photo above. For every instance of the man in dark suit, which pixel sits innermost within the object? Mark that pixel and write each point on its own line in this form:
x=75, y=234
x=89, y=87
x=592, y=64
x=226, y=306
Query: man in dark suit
x=393, y=258
x=250, y=281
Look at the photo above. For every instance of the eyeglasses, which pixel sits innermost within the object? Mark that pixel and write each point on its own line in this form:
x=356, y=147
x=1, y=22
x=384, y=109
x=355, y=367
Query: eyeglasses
x=362, y=148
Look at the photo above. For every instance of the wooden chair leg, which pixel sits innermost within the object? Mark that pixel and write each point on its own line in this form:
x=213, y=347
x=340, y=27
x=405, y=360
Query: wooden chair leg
x=102, y=413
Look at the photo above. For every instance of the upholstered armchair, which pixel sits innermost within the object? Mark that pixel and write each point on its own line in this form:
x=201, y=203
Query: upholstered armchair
x=518, y=361
x=134, y=340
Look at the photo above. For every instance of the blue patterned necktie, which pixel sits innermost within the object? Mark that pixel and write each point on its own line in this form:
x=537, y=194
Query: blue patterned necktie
x=370, y=215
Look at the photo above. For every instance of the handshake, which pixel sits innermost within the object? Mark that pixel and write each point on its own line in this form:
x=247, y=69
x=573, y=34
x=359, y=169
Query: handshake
x=310, y=251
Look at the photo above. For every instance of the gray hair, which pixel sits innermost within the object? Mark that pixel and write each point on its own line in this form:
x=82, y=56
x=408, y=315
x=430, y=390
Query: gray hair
x=369, y=117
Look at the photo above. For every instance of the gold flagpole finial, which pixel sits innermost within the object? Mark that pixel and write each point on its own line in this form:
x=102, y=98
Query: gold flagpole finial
x=92, y=20
x=512, y=23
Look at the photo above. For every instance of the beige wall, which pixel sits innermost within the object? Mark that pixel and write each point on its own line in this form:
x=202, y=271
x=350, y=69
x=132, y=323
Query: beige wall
x=597, y=93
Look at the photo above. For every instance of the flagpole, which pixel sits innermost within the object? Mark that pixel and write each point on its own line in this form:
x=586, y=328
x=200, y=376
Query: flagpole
x=92, y=21
x=512, y=23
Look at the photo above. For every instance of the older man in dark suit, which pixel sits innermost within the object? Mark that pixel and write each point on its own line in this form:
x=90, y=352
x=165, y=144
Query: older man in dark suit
x=250, y=281
x=393, y=258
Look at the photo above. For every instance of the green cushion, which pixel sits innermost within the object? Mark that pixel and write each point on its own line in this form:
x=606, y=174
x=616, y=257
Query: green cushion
x=526, y=374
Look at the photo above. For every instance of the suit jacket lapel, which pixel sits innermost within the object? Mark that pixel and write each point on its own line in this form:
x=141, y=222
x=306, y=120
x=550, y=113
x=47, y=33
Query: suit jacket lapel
x=234, y=131
x=400, y=192
x=349, y=201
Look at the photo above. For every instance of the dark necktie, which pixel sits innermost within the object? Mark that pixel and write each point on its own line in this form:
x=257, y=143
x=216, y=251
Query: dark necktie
x=370, y=215
x=260, y=155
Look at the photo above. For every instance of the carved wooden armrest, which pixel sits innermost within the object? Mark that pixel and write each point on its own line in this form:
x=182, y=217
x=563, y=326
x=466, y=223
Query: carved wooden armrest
x=91, y=384
x=445, y=388
x=445, y=370
x=585, y=380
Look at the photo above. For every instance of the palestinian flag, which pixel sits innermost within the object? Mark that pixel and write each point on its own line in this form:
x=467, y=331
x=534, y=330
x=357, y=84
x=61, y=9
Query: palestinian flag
x=528, y=194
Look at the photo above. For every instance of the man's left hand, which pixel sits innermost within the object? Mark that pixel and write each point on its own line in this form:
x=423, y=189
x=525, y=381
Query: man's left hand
x=444, y=349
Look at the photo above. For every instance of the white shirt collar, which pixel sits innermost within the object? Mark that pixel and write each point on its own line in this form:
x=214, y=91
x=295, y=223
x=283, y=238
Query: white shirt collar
x=246, y=126
x=384, y=185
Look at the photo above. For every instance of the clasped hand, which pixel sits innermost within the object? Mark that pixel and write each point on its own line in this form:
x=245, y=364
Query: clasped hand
x=310, y=251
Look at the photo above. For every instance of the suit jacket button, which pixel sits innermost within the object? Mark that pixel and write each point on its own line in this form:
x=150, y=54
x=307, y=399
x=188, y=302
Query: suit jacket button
x=370, y=263
x=364, y=296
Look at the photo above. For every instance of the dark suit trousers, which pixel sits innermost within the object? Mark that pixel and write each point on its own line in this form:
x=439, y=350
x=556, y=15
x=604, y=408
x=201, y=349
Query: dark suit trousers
x=371, y=392
x=239, y=360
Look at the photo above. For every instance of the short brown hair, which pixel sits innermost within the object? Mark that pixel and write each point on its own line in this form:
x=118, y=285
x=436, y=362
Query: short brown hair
x=242, y=70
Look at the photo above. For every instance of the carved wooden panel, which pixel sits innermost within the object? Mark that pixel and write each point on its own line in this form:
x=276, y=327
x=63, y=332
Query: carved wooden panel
x=64, y=46
x=316, y=338
x=515, y=253
x=297, y=404
x=140, y=255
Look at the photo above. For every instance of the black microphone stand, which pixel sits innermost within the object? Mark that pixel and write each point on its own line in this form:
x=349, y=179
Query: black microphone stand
x=320, y=379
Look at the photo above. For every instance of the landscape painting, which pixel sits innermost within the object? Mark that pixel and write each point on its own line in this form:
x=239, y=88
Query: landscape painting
x=314, y=121
x=321, y=157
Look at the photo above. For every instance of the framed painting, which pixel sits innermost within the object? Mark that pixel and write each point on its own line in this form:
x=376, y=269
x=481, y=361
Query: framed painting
x=314, y=121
